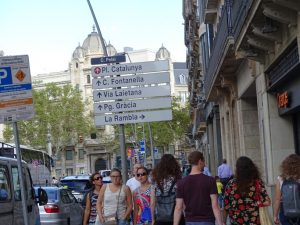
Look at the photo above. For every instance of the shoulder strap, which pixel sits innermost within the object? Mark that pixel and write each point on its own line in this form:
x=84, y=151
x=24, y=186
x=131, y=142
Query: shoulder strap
x=171, y=188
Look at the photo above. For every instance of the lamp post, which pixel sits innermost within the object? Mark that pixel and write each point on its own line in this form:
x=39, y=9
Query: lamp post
x=121, y=127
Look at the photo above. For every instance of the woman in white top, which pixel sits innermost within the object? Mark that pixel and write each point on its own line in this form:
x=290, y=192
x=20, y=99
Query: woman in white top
x=114, y=203
x=290, y=169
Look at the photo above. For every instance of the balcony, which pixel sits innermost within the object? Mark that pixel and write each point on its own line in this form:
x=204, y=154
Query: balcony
x=222, y=58
x=211, y=11
x=222, y=42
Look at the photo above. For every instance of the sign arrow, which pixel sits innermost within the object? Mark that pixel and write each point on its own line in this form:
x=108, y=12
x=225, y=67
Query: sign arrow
x=100, y=107
x=98, y=82
x=142, y=116
x=99, y=94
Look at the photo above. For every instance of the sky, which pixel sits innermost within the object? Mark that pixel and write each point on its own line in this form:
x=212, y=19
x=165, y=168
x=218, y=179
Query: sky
x=50, y=30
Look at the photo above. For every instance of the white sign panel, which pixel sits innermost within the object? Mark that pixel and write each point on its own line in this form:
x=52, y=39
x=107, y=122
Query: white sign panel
x=131, y=93
x=130, y=68
x=132, y=80
x=133, y=105
x=15, y=89
x=133, y=117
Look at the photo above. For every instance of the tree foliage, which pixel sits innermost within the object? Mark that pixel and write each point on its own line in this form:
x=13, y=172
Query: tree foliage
x=164, y=133
x=60, y=112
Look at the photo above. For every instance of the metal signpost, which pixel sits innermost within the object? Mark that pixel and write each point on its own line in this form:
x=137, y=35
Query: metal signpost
x=16, y=103
x=143, y=89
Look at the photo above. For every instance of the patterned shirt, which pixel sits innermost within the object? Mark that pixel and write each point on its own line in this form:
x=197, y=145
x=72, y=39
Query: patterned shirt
x=142, y=200
x=243, y=209
x=93, y=211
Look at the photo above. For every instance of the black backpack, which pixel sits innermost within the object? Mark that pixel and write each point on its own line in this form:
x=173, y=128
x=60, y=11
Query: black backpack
x=290, y=197
x=165, y=205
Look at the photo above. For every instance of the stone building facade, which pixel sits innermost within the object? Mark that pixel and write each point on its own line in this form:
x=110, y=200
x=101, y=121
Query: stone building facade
x=248, y=53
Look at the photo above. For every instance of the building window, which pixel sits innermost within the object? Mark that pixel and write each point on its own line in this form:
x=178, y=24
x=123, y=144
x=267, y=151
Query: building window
x=58, y=172
x=81, y=170
x=58, y=156
x=88, y=79
x=183, y=96
x=81, y=154
x=69, y=154
x=69, y=171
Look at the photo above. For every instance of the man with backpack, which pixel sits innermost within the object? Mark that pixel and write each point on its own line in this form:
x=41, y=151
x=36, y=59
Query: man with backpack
x=198, y=193
x=90, y=199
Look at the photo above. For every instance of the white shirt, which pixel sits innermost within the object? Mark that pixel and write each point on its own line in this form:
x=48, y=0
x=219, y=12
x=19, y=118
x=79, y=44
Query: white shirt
x=133, y=184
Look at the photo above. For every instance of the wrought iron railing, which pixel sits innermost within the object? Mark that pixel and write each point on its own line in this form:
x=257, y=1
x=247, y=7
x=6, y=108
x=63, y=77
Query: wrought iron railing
x=234, y=14
x=219, y=45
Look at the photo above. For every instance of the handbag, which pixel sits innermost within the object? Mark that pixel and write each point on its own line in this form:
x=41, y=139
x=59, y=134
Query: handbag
x=146, y=216
x=264, y=216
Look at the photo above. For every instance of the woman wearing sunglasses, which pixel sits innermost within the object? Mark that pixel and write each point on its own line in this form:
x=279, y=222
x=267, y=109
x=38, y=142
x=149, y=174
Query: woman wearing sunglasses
x=141, y=198
x=90, y=212
x=114, y=204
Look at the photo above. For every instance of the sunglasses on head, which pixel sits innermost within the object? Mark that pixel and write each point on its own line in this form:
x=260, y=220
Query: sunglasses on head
x=141, y=174
x=98, y=178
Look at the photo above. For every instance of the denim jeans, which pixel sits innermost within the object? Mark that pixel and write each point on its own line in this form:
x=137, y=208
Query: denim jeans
x=199, y=223
x=123, y=222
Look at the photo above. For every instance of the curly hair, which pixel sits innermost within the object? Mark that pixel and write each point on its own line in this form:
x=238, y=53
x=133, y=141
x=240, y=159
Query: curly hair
x=246, y=172
x=290, y=167
x=167, y=167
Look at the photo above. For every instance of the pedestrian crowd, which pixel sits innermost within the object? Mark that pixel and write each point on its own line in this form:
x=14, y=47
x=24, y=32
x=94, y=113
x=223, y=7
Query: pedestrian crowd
x=170, y=196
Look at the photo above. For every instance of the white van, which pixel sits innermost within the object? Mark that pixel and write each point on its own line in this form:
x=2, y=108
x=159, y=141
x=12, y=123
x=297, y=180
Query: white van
x=11, y=209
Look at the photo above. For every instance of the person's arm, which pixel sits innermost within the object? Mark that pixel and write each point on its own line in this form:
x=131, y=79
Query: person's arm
x=178, y=211
x=135, y=209
x=277, y=199
x=216, y=209
x=128, y=202
x=87, y=210
x=152, y=204
x=99, y=204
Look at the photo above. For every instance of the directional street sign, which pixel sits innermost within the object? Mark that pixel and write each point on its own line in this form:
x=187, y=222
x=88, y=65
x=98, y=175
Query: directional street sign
x=130, y=68
x=108, y=59
x=132, y=105
x=16, y=101
x=131, y=80
x=131, y=93
x=133, y=117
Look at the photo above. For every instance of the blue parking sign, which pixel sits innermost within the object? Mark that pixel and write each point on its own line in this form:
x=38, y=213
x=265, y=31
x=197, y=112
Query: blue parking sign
x=5, y=76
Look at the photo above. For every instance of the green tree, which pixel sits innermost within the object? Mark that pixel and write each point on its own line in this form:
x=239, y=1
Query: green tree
x=164, y=133
x=60, y=112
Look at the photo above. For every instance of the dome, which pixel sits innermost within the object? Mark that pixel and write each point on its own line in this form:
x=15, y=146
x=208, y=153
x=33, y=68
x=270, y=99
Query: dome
x=111, y=51
x=92, y=44
x=162, y=53
x=79, y=52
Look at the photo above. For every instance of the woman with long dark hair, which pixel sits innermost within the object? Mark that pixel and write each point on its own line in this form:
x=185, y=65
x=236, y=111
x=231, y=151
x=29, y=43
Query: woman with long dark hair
x=241, y=194
x=90, y=212
x=165, y=176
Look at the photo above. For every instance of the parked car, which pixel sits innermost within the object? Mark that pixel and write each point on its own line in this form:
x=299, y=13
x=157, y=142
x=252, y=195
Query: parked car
x=11, y=209
x=79, y=185
x=62, y=208
x=106, y=175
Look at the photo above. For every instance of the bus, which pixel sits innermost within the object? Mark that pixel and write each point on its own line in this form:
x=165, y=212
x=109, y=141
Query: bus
x=39, y=162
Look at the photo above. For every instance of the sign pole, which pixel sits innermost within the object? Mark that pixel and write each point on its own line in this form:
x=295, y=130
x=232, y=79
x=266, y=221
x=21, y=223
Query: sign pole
x=151, y=145
x=21, y=179
x=123, y=153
